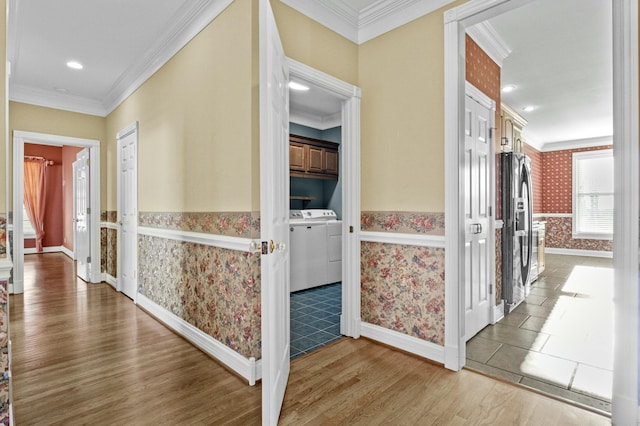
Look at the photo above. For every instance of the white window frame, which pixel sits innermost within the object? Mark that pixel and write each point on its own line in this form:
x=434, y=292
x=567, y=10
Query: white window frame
x=577, y=156
x=27, y=226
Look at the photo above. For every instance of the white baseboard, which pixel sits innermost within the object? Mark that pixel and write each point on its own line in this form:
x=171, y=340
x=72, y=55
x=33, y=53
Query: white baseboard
x=68, y=252
x=403, y=341
x=574, y=252
x=53, y=249
x=498, y=312
x=110, y=279
x=248, y=368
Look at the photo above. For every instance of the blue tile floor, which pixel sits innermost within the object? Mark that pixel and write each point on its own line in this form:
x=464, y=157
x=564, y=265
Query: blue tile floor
x=315, y=318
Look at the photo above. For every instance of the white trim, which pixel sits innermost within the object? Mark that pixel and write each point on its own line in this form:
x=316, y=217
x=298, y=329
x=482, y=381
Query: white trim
x=588, y=236
x=490, y=41
x=312, y=120
x=421, y=240
x=478, y=96
x=51, y=249
x=19, y=139
x=222, y=241
x=372, y=21
x=576, y=252
x=5, y=267
x=57, y=100
x=499, y=224
x=109, y=225
x=248, y=368
x=403, y=341
x=350, y=171
x=110, y=279
x=576, y=144
x=498, y=312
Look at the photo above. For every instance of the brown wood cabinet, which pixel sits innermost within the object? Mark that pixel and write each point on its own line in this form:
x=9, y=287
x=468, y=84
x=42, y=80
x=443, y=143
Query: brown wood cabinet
x=313, y=158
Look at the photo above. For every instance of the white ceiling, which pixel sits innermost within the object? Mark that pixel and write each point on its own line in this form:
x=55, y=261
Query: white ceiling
x=560, y=55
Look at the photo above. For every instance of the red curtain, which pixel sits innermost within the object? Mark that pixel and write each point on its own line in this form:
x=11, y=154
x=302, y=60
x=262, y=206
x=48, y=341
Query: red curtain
x=35, y=195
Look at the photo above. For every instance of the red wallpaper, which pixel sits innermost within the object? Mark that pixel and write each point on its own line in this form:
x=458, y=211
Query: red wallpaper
x=53, y=210
x=536, y=176
x=557, y=182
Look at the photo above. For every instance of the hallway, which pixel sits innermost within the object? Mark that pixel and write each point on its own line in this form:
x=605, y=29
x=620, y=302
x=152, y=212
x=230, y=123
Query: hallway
x=85, y=354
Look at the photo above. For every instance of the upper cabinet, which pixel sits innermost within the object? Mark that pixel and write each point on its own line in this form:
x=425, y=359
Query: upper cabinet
x=313, y=158
x=512, y=125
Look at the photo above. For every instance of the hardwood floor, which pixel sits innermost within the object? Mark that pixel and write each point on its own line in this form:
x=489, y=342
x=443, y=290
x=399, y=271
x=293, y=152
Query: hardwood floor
x=85, y=354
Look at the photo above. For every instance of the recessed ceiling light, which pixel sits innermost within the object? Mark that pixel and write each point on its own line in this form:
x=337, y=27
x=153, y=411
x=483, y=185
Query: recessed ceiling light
x=75, y=65
x=508, y=88
x=297, y=86
x=528, y=108
x=61, y=89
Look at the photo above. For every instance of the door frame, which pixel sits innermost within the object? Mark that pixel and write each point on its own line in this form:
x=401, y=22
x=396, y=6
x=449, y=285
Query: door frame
x=19, y=139
x=133, y=127
x=350, y=170
x=625, y=141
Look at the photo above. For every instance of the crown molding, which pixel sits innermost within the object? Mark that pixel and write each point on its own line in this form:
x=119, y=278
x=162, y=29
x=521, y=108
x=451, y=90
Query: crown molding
x=313, y=121
x=53, y=99
x=186, y=26
x=490, y=41
x=577, y=144
x=371, y=22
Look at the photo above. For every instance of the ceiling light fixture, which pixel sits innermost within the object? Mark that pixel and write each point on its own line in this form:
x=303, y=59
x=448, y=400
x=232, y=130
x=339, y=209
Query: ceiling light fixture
x=297, y=86
x=508, y=88
x=528, y=108
x=75, y=65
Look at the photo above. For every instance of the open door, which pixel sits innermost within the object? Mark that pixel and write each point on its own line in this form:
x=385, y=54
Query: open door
x=274, y=212
x=128, y=210
x=82, y=214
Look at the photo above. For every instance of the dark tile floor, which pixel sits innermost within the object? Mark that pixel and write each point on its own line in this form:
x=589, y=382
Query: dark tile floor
x=315, y=318
x=560, y=339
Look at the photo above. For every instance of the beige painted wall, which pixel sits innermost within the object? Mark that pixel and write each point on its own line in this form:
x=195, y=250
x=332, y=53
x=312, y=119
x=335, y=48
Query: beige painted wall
x=195, y=114
x=32, y=118
x=401, y=74
x=307, y=41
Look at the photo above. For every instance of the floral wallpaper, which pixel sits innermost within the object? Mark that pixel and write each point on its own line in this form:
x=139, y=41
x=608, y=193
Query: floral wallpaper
x=4, y=355
x=403, y=222
x=498, y=265
x=3, y=236
x=109, y=245
x=216, y=290
x=558, y=235
x=403, y=289
x=536, y=176
x=235, y=224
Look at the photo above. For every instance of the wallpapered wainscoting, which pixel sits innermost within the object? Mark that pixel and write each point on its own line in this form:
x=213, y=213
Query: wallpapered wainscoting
x=403, y=285
x=109, y=243
x=558, y=235
x=216, y=290
x=3, y=237
x=4, y=354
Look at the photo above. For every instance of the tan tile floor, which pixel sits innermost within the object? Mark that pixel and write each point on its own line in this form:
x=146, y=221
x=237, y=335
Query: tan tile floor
x=560, y=339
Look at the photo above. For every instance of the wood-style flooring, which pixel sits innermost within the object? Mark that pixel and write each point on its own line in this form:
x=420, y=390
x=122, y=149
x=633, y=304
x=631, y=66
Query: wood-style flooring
x=85, y=354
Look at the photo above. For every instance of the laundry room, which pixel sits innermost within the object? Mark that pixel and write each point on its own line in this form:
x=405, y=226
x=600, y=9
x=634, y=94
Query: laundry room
x=315, y=237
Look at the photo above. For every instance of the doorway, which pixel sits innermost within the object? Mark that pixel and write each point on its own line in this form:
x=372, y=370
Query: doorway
x=625, y=29
x=19, y=140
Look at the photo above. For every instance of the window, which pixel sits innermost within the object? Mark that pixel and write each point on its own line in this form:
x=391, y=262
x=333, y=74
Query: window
x=27, y=228
x=593, y=194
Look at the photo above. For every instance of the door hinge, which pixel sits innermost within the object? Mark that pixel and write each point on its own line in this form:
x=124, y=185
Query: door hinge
x=490, y=288
x=351, y=229
x=265, y=247
x=490, y=211
x=89, y=259
x=88, y=210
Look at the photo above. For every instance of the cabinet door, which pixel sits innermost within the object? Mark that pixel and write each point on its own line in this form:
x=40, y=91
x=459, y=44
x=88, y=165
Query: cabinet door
x=296, y=156
x=316, y=163
x=331, y=162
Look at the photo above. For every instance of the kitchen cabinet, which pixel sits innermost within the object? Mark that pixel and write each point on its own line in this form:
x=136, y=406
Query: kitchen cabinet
x=512, y=125
x=313, y=158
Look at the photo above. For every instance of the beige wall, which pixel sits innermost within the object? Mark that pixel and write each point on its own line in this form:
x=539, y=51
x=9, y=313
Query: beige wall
x=402, y=80
x=195, y=114
x=308, y=42
x=32, y=118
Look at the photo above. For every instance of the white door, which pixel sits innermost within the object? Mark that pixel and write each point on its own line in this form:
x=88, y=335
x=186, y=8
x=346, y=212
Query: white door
x=74, y=219
x=83, y=215
x=477, y=204
x=274, y=211
x=127, y=210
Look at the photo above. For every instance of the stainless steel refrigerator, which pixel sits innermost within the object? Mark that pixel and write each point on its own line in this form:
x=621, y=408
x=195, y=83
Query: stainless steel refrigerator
x=517, y=231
